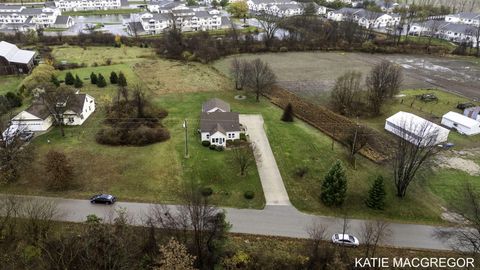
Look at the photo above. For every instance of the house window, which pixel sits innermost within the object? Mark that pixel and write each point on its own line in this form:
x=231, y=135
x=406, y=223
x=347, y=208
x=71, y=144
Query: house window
x=208, y=136
x=71, y=120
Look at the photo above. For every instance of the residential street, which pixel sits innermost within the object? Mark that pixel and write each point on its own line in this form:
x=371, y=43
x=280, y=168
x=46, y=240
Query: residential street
x=272, y=182
x=272, y=221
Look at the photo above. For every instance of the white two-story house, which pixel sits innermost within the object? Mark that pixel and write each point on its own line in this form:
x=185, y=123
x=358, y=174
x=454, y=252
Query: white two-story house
x=77, y=5
x=21, y=17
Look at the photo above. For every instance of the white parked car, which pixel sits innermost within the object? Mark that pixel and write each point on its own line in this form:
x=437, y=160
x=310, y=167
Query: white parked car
x=345, y=240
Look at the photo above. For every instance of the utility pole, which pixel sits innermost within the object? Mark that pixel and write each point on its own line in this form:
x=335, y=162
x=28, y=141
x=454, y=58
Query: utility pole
x=186, y=137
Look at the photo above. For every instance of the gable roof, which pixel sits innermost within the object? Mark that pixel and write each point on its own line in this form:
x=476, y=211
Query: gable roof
x=13, y=54
x=215, y=103
x=219, y=121
x=39, y=110
x=62, y=19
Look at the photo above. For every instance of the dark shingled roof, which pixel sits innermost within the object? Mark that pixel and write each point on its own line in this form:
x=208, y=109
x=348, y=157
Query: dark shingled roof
x=41, y=111
x=62, y=19
x=219, y=121
x=215, y=103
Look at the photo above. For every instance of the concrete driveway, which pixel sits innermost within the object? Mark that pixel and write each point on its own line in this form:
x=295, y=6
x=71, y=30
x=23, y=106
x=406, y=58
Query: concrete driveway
x=272, y=182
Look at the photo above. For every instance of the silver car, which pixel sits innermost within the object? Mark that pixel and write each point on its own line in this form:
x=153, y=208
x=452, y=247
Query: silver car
x=345, y=240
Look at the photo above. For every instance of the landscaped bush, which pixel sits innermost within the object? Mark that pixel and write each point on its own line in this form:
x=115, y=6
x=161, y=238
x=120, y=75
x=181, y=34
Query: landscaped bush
x=212, y=147
x=206, y=191
x=243, y=137
x=301, y=171
x=206, y=143
x=133, y=122
x=249, y=195
x=219, y=148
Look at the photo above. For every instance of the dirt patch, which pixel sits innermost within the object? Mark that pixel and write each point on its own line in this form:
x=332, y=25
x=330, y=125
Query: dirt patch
x=458, y=163
x=164, y=77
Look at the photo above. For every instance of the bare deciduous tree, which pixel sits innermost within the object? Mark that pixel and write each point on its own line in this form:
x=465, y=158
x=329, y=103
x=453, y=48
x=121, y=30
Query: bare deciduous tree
x=317, y=233
x=382, y=82
x=357, y=138
x=244, y=157
x=56, y=101
x=346, y=91
x=260, y=77
x=270, y=23
x=239, y=71
x=413, y=153
x=39, y=216
x=14, y=155
x=374, y=232
x=196, y=220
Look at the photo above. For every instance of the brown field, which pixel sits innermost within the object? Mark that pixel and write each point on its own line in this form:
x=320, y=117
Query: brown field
x=313, y=74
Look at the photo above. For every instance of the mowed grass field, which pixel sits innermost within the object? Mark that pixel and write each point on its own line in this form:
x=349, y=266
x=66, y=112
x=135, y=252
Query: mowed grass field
x=10, y=83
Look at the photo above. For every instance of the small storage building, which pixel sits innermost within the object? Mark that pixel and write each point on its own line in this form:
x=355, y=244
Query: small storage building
x=461, y=123
x=472, y=112
x=416, y=129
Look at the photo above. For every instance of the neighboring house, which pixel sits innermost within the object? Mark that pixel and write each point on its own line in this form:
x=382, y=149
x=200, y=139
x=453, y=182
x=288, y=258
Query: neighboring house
x=342, y=14
x=349, y=2
x=37, y=117
x=63, y=22
x=261, y=5
x=165, y=6
x=218, y=124
x=186, y=19
x=21, y=18
x=14, y=60
x=415, y=129
x=282, y=8
x=456, y=32
x=77, y=5
x=473, y=112
x=387, y=6
x=461, y=123
x=364, y=18
x=464, y=18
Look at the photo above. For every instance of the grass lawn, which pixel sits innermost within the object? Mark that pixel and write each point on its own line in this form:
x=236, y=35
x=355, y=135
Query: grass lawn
x=99, y=55
x=102, y=12
x=10, y=83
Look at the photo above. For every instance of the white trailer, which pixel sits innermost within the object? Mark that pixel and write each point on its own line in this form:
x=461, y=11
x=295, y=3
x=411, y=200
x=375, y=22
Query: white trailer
x=461, y=123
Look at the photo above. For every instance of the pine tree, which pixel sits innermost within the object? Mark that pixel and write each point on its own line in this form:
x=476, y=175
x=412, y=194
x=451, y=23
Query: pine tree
x=122, y=81
x=55, y=81
x=69, y=79
x=113, y=77
x=334, y=186
x=288, y=113
x=93, y=78
x=376, y=195
x=101, y=81
x=78, y=82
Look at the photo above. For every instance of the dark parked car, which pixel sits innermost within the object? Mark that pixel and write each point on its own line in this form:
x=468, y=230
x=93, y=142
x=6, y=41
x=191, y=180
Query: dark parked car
x=103, y=198
x=26, y=136
x=463, y=106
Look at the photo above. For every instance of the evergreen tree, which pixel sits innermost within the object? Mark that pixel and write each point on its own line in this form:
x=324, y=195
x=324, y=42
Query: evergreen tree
x=78, y=82
x=55, y=81
x=288, y=113
x=101, y=81
x=93, y=78
x=376, y=195
x=113, y=77
x=122, y=81
x=69, y=79
x=334, y=186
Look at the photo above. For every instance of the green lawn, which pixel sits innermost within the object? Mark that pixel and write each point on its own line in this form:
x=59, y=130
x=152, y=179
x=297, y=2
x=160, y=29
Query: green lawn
x=102, y=12
x=10, y=83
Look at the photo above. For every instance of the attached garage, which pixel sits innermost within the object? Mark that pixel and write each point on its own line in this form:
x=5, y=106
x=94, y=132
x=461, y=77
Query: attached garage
x=461, y=123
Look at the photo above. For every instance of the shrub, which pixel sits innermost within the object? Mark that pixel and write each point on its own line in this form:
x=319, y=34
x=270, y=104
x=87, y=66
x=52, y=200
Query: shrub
x=78, y=82
x=113, y=77
x=140, y=136
x=58, y=170
x=108, y=61
x=101, y=81
x=69, y=79
x=212, y=147
x=334, y=186
x=288, y=113
x=206, y=191
x=122, y=80
x=206, y=143
x=93, y=78
x=249, y=195
x=283, y=49
x=301, y=171
x=14, y=100
x=243, y=137
x=219, y=148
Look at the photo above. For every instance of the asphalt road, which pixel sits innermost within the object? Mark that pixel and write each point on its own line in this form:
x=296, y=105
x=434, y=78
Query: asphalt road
x=274, y=220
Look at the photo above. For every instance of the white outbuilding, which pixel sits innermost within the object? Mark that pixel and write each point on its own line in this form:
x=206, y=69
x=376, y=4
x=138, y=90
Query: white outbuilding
x=461, y=123
x=415, y=129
